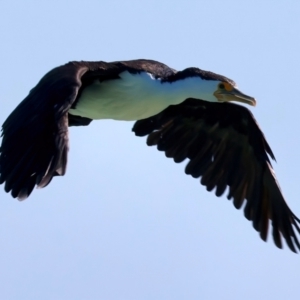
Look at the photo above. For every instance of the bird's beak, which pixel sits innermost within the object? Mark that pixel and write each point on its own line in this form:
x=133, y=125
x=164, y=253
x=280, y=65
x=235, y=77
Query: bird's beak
x=233, y=95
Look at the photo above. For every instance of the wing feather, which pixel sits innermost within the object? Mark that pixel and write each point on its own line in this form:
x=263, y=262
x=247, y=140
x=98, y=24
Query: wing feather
x=35, y=140
x=226, y=149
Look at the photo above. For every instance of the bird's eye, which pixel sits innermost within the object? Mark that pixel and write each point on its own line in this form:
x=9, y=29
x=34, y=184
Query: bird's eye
x=222, y=86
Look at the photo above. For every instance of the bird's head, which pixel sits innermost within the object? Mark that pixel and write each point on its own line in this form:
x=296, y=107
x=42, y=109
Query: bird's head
x=211, y=87
x=227, y=91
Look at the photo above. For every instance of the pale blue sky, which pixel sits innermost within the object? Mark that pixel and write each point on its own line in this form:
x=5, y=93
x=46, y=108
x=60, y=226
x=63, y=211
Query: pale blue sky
x=126, y=222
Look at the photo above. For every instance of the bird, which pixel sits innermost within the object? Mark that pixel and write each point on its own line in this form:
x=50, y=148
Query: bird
x=189, y=115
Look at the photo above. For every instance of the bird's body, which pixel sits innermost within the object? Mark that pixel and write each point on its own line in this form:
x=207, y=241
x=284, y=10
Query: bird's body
x=186, y=114
x=134, y=96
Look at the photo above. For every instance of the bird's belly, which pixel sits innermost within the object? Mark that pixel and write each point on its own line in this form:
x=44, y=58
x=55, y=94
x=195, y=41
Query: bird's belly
x=117, y=108
x=132, y=97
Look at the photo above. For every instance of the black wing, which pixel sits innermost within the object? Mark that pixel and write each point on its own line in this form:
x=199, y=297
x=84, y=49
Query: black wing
x=226, y=148
x=35, y=136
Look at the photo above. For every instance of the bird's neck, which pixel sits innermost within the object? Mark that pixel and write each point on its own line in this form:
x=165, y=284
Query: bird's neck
x=189, y=87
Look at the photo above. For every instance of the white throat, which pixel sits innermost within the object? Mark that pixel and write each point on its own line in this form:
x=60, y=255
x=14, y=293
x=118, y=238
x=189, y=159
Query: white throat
x=138, y=96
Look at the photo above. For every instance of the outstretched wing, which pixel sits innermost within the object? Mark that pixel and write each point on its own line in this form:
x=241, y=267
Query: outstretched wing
x=226, y=148
x=35, y=136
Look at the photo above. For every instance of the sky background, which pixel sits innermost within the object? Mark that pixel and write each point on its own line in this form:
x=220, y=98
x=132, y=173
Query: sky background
x=125, y=222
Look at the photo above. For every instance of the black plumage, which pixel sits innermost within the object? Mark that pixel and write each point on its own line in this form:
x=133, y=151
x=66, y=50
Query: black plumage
x=226, y=148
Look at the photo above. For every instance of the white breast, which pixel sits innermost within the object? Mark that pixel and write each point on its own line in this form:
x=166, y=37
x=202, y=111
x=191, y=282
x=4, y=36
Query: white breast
x=132, y=97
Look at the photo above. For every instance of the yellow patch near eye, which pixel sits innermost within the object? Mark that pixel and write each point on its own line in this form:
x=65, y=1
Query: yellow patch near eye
x=228, y=87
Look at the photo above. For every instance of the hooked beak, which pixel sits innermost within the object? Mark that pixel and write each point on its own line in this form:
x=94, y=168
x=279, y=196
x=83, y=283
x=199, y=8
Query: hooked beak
x=233, y=95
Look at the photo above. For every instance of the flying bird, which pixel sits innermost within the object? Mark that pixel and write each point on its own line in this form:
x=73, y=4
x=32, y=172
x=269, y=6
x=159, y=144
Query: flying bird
x=187, y=114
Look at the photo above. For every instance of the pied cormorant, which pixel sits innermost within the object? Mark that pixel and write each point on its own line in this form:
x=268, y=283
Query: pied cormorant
x=186, y=114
